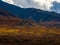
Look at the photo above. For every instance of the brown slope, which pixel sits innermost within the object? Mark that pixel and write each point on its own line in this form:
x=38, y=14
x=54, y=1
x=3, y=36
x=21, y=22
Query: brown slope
x=7, y=19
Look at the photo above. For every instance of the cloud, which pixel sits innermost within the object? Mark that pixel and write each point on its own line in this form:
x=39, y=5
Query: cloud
x=56, y=7
x=39, y=4
x=9, y=1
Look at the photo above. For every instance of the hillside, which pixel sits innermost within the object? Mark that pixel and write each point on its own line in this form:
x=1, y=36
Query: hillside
x=28, y=26
x=14, y=30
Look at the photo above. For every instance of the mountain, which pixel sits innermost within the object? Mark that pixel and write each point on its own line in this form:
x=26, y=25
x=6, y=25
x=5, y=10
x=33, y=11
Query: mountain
x=38, y=15
x=30, y=13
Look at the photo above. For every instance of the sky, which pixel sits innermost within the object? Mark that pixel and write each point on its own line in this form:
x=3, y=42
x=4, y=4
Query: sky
x=47, y=5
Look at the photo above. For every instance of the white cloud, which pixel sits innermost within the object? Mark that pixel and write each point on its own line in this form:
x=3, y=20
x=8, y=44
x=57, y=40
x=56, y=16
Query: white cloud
x=39, y=4
x=9, y=1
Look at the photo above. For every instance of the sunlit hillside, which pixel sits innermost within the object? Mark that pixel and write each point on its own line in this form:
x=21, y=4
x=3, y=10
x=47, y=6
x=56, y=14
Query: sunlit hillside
x=30, y=34
x=29, y=30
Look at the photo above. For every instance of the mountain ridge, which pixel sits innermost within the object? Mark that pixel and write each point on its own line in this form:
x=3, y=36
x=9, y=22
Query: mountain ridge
x=26, y=13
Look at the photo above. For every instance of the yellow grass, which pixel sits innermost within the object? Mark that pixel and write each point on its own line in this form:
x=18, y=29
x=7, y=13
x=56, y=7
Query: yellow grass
x=4, y=31
x=28, y=31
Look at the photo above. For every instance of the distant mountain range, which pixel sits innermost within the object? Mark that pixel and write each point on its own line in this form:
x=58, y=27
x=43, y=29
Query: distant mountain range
x=30, y=13
x=13, y=15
